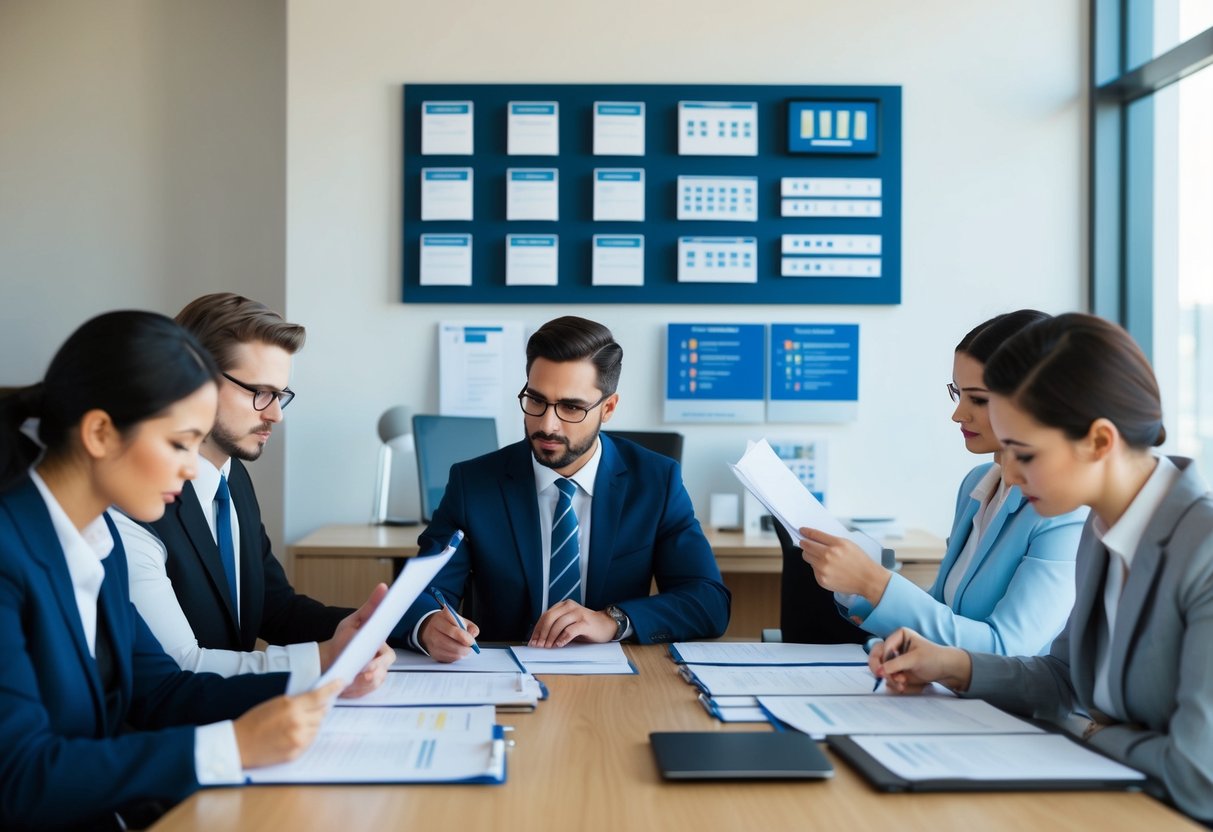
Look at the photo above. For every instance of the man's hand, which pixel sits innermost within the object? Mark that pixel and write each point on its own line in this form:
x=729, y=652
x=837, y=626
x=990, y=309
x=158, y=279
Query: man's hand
x=569, y=620
x=371, y=676
x=443, y=639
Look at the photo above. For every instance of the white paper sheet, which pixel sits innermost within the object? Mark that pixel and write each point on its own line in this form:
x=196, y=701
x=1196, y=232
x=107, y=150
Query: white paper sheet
x=417, y=574
x=481, y=366
x=386, y=745
x=618, y=260
x=619, y=128
x=532, y=259
x=769, y=653
x=717, y=259
x=400, y=689
x=446, y=260
x=719, y=198
x=822, y=715
x=619, y=194
x=575, y=659
x=533, y=128
x=446, y=194
x=992, y=757
x=532, y=194
x=783, y=681
x=717, y=128
x=488, y=660
x=446, y=128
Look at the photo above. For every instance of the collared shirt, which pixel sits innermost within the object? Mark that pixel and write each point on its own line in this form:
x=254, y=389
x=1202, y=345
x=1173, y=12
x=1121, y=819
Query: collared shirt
x=152, y=594
x=990, y=493
x=1122, y=541
x=547, y=494
x=206, y=486
x=216, y=754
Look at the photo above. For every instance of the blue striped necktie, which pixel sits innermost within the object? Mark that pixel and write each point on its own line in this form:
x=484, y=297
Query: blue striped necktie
x=564, y=573
x=223, y=536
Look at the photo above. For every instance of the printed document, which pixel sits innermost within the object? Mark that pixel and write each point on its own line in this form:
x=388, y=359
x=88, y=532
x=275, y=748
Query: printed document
x=822, y=715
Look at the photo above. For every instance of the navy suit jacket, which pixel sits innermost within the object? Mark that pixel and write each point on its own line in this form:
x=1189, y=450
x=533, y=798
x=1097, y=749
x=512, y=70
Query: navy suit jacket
x=270, y=608
x=63, y=759
x=643, y=527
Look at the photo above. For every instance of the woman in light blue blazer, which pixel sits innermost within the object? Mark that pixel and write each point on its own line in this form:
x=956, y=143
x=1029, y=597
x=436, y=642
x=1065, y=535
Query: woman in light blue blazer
x=1006, y=583
x=98, y=726
x=1076, y=407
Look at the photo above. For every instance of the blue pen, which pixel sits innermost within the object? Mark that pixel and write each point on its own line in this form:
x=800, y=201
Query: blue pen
x=437, y=593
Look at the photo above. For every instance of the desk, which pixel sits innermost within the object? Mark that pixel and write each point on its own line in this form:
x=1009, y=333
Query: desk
x=582, y=762
x=338, y=565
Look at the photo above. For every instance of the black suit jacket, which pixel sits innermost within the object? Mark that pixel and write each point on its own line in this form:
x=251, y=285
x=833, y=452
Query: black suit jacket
x=270, y=608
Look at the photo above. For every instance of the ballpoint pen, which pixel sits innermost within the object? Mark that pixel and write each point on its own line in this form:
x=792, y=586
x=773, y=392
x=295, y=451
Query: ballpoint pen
x=892, y=654
x=437, y=593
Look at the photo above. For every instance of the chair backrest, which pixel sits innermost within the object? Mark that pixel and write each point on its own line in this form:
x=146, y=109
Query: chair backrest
x=442, y=441
x=807, y=612
x=667, y=443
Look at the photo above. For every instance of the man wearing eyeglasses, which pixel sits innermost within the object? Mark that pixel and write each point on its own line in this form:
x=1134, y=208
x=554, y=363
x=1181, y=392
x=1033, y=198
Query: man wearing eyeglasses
x=203, y=577
x=566, y=531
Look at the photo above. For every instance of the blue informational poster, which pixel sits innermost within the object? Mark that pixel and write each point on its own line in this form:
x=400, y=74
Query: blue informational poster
x=714, y=372
x=814, y=373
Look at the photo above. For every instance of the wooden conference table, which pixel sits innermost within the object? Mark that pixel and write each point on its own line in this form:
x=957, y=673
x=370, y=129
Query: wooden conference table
x=339, y=564
x=582, y=763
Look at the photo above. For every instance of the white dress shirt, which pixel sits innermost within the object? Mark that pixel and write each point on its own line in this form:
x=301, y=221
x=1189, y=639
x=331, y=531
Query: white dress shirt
x=990, y=493
x=152, y=593
x=216, y=755
x=1121, y=541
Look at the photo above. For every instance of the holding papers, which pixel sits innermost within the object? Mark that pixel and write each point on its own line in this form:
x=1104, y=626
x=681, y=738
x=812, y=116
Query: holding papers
x=415, y=745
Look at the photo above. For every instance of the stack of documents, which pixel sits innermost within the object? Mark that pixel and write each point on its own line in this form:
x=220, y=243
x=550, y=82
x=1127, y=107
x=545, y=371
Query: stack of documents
x=488, y=660
x=399, y=745
x=512, y=691
x=575, y=659
x=820, y=716
x=734, y=708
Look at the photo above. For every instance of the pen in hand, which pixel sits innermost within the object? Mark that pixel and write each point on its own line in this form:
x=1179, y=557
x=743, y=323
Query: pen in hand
x=888, y=657
x=437, y=593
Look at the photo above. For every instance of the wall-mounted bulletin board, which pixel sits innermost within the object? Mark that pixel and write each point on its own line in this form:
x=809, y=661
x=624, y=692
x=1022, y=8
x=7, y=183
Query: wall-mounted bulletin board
x=651, y=193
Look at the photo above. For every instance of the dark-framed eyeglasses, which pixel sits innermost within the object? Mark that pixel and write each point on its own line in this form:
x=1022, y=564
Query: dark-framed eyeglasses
x=263, y=397
x=954, y=391
x=532, y=405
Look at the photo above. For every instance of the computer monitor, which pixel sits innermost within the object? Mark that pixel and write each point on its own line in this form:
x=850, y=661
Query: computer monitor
x=441, y=441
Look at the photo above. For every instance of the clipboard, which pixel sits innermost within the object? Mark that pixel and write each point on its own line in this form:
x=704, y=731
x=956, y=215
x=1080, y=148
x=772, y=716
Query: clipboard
x=885, y=780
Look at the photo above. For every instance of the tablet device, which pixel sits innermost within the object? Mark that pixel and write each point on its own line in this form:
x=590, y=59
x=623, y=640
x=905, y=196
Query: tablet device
x=727, y=755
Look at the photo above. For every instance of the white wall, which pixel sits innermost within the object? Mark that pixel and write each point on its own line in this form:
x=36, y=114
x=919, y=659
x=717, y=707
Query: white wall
x=142, y=163
x=994, y=181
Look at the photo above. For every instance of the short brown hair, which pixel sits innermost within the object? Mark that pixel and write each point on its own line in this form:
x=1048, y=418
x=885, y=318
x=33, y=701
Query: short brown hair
x=222, y=320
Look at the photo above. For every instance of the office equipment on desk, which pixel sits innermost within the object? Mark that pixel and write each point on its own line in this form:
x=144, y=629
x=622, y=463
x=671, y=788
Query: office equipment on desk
x=393, y=745
x=488, y=660
x=734, y=708
x=396, y=498
x=779, y=681
x=575, y=659
x=709, y=755
x=665, y=442
x=982, y=763
x=417, y=574
x=728, y=653
x=516, y=690
x=936, y=712
x=441, y=442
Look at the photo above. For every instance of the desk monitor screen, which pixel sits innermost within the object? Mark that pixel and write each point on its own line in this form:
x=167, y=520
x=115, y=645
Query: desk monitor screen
x=716, y=755
x=441, y=442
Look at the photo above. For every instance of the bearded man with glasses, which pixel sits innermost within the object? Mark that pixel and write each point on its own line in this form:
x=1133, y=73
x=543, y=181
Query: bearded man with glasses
x=204, y=577
x=566, y=530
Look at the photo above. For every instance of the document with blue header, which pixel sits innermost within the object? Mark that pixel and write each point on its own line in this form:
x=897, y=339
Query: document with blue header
x=532, y=259
x=819, y=716
x=619, y=194
x=618, y=260
x=532, y=194
x=446, y=194
x=533, y=128
x=619, y=128
x=446, y=260
x=446, y=128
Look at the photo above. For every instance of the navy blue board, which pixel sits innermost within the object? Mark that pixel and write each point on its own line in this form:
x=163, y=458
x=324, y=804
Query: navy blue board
x=662, y=166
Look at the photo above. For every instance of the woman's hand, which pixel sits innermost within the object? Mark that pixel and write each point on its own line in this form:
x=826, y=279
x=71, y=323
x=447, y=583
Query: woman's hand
x=280, y=729
x=908, y=663
x=841, y=566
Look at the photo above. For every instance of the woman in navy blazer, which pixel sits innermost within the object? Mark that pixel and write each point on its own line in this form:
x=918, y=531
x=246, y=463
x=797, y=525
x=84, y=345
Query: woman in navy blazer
x=121, y=412
x=1076, y=406
x=1006, y=583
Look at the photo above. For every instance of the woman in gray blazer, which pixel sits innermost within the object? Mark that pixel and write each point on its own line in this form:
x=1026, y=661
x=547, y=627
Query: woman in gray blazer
x=1076, y=407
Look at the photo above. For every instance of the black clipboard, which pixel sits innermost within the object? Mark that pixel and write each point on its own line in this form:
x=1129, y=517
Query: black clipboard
x=740, y=755
x=886, y=781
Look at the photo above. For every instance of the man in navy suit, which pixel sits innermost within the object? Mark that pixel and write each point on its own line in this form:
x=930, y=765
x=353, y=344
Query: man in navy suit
x=566, y=530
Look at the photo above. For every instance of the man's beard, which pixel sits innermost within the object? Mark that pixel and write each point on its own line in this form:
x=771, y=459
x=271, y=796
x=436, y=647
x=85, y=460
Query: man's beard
x=571, y=454
x=227, y=441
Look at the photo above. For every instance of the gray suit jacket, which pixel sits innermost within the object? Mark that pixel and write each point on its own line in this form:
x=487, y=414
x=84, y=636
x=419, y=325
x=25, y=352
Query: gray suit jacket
x=1161, y=664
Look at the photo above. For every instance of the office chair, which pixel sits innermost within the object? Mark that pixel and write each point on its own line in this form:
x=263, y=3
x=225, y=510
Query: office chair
x=442, y=441
x=807, y=612
x=666, y=443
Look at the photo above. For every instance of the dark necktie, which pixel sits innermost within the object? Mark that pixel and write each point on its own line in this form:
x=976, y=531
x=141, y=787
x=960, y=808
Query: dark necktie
x=565, y=568
x=223, y=536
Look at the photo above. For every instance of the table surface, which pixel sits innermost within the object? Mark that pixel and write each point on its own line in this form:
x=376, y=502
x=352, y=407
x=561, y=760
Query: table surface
x=583, y=762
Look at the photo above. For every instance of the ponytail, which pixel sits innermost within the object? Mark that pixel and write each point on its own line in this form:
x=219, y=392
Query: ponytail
x=18, y=451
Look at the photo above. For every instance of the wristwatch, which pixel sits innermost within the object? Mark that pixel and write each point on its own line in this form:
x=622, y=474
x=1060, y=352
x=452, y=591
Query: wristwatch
x=621, y=621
